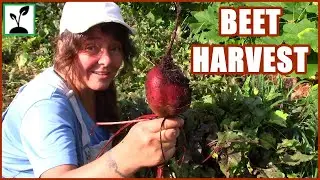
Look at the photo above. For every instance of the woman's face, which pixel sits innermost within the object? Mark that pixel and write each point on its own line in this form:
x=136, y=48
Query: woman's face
x=100, y=59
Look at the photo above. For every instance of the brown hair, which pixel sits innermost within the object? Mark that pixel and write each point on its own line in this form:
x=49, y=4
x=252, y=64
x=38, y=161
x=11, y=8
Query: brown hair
x=67, y=48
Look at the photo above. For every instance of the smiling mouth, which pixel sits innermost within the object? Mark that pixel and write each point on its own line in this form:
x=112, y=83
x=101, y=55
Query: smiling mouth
x=101, y=73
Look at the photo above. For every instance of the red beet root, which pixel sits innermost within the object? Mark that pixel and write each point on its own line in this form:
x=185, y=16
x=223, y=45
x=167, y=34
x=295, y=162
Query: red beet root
x=167, y=89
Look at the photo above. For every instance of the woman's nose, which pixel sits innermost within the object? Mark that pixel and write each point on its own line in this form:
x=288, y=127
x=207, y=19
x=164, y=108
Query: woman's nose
x=104, y=58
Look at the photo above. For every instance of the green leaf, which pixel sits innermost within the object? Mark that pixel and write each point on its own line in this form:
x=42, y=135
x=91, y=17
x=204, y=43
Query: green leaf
x=224, y=138
x=267, y=140
x=296, y=8
x=272, y=94
x=206, y=22
x=246, y=86
x=212, y=9
x=196, y=27
x=279, y=117
x=312, y=69
x=309, y=36
x=296, y=159
x=295, y=28
x=229, y=161
x=290, y=39
x=205, y=17
x=213, y=37
x=314, y=88
x=255, y=91
x=289, y=144
x=292, y=175
x=207, y=99
x=159, y=21
x=22, y=60
x=288, y=17
x=234, y=159
x=150, y=16
x=312, y=9
x=272, y=172
x=292, y=30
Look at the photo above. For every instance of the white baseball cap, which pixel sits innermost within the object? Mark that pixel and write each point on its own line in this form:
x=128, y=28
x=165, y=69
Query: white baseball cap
x=77, y=17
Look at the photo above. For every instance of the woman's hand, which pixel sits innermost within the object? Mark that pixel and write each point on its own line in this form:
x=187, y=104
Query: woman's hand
x=142, y=146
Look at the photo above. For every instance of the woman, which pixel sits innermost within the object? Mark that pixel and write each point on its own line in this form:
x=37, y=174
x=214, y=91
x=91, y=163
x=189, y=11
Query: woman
x=47, y=130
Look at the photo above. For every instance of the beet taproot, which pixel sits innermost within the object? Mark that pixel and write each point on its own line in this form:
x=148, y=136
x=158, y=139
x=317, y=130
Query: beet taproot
x=167, y=89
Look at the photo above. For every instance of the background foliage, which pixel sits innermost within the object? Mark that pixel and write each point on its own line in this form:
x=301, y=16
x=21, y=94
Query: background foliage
x=247, y=126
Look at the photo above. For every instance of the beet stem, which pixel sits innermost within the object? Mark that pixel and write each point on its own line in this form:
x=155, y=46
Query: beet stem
x=119, y=122
x=174, y=33
x=162, y=126
x=160, y=167
x=180, y=161
x=209, y=156
x=112, y=137
x=160, y=171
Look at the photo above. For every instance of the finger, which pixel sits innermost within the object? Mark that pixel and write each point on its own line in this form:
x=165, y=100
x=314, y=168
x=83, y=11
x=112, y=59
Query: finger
x=168, y=134
x=168, y=145
x=155, y=125
x=169, y=153
x=173, y=123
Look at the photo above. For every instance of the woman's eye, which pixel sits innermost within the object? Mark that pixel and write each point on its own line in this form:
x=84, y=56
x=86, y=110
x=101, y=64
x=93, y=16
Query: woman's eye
x=116, y=49
x=93, y=49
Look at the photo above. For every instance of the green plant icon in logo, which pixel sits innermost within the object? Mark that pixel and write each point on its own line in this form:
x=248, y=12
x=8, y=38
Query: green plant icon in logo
x=23, y=11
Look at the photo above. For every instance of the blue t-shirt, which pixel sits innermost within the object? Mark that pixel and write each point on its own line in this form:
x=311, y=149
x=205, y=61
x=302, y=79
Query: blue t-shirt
x=40, y=129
